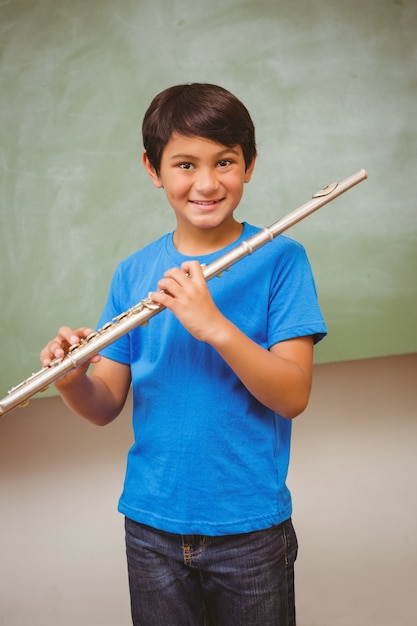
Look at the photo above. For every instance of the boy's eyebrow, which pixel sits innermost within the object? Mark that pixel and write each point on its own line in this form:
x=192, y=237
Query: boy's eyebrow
x=193, y=156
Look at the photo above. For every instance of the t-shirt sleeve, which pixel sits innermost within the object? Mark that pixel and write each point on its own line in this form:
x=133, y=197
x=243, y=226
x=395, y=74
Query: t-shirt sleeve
x=120, y=349
x=294, y=309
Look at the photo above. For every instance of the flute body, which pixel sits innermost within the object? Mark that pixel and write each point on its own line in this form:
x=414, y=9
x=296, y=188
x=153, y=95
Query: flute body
x=141, y=313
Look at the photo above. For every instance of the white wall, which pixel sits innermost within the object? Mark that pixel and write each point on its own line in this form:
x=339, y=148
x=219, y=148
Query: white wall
x=354, y=482
x=353, y=478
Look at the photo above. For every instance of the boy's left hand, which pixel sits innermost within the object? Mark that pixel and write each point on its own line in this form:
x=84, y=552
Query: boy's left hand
x=184, y=291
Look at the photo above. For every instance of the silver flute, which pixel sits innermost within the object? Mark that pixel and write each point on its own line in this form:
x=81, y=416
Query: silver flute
x=141, y=313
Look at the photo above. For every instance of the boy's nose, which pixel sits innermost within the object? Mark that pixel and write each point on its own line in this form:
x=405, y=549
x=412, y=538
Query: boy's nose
x=206, y=181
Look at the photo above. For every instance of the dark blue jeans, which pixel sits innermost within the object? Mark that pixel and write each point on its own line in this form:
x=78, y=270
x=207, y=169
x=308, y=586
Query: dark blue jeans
x=193, y=580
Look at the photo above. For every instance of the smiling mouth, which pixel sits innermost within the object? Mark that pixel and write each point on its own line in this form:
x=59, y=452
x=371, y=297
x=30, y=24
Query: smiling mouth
x=206, y=202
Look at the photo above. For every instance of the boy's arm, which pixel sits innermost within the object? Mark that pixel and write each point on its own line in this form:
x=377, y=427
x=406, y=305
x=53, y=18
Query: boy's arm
x=280, y=378
x=99, y=396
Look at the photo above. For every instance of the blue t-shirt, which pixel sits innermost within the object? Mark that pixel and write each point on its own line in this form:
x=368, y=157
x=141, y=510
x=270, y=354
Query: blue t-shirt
x=208, y=458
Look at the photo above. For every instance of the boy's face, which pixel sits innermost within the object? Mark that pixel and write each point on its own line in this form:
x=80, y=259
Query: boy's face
x=203, y=180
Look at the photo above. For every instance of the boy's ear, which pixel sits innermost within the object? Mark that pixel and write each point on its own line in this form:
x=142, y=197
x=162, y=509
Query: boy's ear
x=249, y=170
x=151, y=171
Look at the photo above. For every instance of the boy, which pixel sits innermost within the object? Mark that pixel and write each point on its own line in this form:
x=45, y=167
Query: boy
x=217, y=378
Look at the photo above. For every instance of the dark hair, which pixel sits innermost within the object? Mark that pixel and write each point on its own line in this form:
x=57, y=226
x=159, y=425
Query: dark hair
x=197, y=110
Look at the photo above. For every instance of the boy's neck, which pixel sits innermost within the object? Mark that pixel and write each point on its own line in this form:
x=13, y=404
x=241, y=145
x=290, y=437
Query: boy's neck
x=199, y=242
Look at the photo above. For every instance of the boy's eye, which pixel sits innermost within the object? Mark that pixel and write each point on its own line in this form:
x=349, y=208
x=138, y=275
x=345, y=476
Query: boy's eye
x=185, y=166
x=224, y=162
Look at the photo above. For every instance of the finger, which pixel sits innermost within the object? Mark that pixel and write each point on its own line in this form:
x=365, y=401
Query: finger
x=67, y=335
x=49, y=353
x=193, y=270
x=59, y=346
x=172, y=282
x=166, y=292
x=177, y=274
x=54, y=349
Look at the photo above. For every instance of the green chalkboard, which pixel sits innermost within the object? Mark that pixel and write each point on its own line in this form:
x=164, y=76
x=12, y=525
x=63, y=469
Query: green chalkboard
x=332, y=88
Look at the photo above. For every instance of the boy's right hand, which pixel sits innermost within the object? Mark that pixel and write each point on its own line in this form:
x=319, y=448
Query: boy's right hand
x=59, y=346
